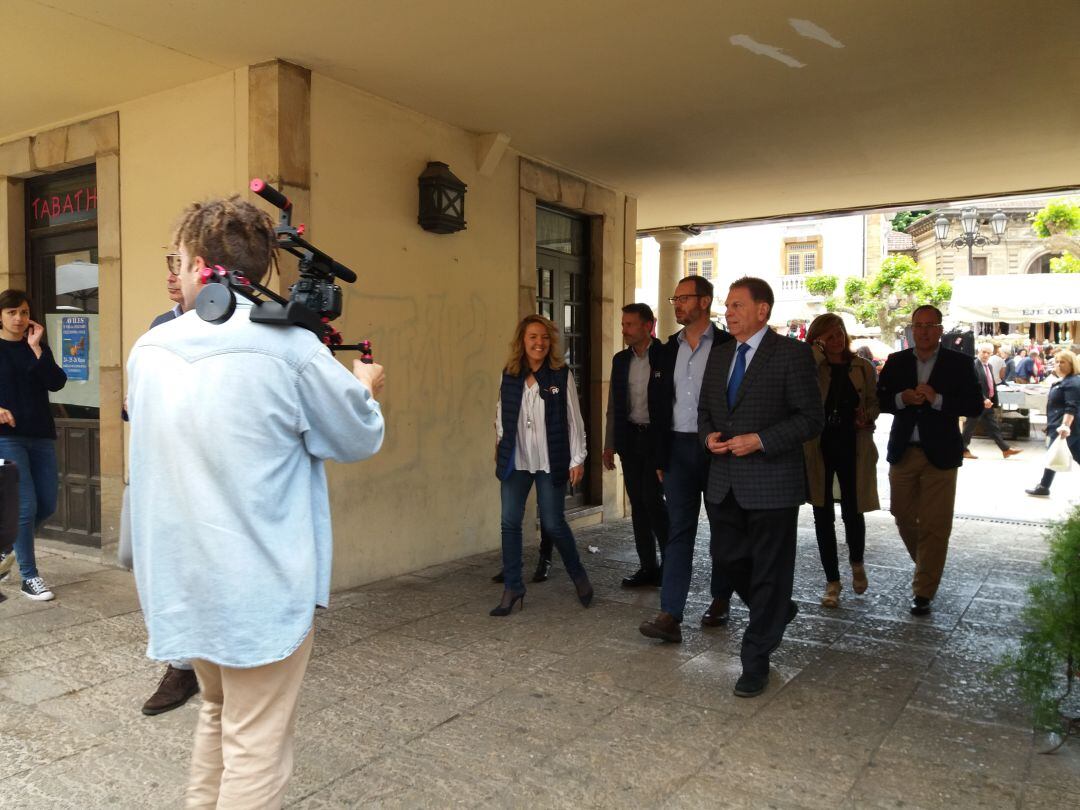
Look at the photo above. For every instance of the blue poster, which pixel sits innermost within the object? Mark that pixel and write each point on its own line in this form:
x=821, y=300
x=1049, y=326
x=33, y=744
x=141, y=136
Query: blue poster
x=75, y=350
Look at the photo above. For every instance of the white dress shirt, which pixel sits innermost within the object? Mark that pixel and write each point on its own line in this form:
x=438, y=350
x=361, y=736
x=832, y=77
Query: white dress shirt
x=531, y=450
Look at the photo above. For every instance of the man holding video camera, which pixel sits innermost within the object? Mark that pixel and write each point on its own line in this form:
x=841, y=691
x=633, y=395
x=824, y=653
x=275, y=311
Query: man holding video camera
x=230, y=515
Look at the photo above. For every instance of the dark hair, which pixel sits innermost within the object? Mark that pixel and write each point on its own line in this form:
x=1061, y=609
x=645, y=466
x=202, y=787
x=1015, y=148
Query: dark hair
x=930, y=307
x=643, y=311
x=11, y=299
x=702, y=286
x=759, y=290
x=231, y=232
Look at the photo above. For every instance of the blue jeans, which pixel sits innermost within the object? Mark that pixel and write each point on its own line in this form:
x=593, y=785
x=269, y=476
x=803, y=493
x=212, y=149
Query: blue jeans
x=551, y=501
x=684, y=484
x=38, y=484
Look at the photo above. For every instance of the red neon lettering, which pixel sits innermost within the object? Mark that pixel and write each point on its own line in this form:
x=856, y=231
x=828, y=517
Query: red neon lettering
x=91, y=198
x=78, y=194
x=55, y=206
x=67, y=204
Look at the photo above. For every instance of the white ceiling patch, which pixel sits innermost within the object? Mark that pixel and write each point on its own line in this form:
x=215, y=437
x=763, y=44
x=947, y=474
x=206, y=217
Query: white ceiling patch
x=771, y=51
x=805, y=28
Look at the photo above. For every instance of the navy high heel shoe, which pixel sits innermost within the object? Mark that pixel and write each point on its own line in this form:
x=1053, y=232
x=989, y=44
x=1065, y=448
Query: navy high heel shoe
x=504, y=608
x=584, y=591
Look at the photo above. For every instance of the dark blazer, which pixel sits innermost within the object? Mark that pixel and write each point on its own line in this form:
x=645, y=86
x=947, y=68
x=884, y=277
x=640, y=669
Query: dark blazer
x=780, y=401
x=164, y=317
x=954, y=378
x=662, y=392
x=980, y=375
x=1064, y=398
x=620, y=392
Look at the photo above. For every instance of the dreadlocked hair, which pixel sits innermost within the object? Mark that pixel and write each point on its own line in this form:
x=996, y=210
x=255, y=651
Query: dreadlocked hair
x=231, y=232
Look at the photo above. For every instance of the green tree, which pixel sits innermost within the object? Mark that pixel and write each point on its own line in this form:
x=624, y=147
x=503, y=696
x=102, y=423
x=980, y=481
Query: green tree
x=887, y=298
x=1056, y=217
x=1065, y=263
x=905, y=218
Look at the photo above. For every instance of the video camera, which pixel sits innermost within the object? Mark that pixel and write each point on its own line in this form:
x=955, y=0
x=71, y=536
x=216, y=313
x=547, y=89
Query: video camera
x=315, y=300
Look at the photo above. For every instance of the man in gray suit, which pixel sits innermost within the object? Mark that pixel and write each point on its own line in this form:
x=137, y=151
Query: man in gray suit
x=759, y=402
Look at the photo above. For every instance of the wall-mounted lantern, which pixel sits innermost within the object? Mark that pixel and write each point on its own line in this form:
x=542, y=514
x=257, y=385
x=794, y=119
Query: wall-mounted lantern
x=442, y=200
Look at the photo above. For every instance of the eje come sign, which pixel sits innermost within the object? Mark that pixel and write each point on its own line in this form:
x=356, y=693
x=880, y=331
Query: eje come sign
x=62, y=207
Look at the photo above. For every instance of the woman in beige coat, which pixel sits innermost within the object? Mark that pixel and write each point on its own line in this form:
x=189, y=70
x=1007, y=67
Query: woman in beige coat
x=844, y=449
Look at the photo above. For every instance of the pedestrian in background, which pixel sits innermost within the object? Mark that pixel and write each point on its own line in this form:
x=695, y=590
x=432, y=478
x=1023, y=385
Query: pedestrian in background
x=28, y=373
x=1062, y=405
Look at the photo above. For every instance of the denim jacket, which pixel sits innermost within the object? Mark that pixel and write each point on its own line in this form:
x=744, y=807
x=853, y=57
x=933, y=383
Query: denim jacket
x=230, y=515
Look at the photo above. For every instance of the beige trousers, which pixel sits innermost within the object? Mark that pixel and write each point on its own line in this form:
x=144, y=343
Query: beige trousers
x=922, y=498
x=243, y=754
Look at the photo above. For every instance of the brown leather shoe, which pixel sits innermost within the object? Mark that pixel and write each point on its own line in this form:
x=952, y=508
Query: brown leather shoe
x=1010, y=451
x=176, y=687
x=717, y=614
x=969, y=455
x=663, y=627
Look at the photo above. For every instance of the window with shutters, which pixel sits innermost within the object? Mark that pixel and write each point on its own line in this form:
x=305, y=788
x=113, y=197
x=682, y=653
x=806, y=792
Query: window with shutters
x=802, y=256
x=978, y=265
x=700, y=261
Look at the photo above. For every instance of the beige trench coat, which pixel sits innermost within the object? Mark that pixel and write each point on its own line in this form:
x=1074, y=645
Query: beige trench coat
x=864, y=379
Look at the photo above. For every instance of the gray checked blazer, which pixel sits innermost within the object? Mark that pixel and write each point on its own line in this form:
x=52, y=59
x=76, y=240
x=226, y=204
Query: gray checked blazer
x=779, y=400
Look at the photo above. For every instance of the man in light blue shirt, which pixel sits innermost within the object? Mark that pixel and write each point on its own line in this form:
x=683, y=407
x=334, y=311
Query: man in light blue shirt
x=230, y=515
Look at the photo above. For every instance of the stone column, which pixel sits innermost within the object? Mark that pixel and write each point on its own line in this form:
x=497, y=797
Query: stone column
x=671, y=270
x=279, y=143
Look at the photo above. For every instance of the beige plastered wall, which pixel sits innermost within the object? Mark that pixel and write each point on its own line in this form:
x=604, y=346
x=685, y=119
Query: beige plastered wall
x=440, y=309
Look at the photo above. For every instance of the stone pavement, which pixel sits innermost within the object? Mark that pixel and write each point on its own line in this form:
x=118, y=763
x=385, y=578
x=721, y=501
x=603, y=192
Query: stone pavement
x=417, y=698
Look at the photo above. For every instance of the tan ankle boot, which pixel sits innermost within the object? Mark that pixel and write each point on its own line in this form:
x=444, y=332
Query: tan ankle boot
x=859, y=583
x=831, y=599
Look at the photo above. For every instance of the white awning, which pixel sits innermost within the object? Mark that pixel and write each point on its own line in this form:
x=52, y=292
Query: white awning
x=1014, y=298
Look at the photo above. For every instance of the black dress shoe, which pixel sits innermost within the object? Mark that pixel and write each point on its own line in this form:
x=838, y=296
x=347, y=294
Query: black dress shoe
x=920, y=606
x=642, y=578
x=1039, y=491
x=717, y=614
x=543, y=568
x=750, y=685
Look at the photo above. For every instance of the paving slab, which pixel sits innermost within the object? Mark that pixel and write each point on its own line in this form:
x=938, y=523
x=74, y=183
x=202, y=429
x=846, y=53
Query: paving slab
x=415, y=697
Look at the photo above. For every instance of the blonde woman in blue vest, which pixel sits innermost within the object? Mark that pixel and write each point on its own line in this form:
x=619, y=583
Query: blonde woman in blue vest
x=541, y=440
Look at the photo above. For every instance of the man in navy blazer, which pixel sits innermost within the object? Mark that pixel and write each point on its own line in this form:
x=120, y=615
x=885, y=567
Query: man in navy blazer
x=927, y=389
x=681, y=463
x=629, y=433
x=759, y=403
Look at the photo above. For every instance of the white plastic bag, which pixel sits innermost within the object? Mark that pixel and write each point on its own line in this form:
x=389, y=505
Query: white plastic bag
x=1058, y=458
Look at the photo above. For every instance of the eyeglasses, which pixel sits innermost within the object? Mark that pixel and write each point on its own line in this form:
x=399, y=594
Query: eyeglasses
x=681, y=299
x=172, y=260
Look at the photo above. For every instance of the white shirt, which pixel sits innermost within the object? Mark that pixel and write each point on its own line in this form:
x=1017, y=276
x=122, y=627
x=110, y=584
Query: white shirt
x=531, y=451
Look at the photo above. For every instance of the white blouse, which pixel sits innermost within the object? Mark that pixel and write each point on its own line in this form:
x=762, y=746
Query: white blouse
x=531, y=452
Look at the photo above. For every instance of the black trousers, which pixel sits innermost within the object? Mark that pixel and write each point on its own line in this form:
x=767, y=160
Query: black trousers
x=839, y=457
x=648, y=510
x=990, y=422
x=756, y=550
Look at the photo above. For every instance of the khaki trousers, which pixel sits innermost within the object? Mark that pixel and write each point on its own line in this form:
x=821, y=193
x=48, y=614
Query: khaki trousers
x=922, y=498
x=243, y=754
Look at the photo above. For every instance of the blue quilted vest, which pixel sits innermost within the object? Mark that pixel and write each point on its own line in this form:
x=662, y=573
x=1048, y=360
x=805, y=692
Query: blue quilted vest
x=552, y=384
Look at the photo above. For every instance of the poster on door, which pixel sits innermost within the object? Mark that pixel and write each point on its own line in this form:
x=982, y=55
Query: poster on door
x=75, y=347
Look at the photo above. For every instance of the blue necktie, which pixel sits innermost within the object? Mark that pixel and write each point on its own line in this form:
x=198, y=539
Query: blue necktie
x=737, y=374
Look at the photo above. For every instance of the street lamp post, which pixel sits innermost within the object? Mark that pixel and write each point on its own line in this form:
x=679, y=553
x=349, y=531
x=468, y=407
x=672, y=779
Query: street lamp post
x=969, y=222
